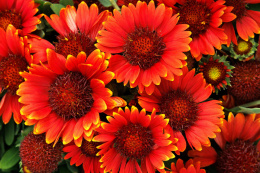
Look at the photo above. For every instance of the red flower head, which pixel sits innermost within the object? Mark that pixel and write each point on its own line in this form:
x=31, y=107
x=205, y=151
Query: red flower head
x=19, y=13
x=37, y=156
x=183, y=103
x=204, y=19
x=85, y=155
x=77, y=28
x=64, y=98
x=151, y=43
x=189, y=167
x=247, y=21
x=236, y=140
x=132, y=136
x=14, y=58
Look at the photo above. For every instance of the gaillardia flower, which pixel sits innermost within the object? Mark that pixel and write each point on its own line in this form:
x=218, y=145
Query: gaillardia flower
x=204, y=19
x=131, y=137
x=148, y=44
x=65, y=97
x=37, y=156
x=183, y=103
x=217, y=71
x=243, y=49
x=85, y=155
x=14, y=58
x=77, y=29
x=245, y=82
x=189, y=167
x=236, y=140
x=21, y=14
x=247, y=21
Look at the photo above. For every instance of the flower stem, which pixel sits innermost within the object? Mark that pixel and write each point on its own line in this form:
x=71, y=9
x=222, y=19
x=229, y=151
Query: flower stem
x=115, y=5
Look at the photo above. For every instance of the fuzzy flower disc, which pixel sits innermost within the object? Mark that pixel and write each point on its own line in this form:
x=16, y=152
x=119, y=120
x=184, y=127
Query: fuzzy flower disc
x=37, y=156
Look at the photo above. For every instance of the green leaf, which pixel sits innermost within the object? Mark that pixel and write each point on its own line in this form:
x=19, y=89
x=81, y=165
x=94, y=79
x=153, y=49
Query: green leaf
x=64, y=169
x=39, y=1
x=72, y=168
x=27, y=130
x=249, y=110
x=46, y=8
x=40, y=33
x=1, y=125
x=56, y=8
x=2, y=144
x=17, y=129
x=246, y=108
x=9, y=132
x=67, y=2
x=254, y=7
x=10, y=158
x=106, y=3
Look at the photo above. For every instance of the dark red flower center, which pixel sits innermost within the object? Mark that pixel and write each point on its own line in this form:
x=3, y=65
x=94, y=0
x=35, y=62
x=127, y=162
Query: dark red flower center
x=243, y=47
x=89, y=148
x=196, y=15
x=10, y=17
x=240, y=156
x=245, y=82
x=70, y=95
x=180, y=108
x=144, y=48
x=214, y=72
x=10, y=67
x=38, y=156
x=134, y=141
x=73, y=44
x=239, y=7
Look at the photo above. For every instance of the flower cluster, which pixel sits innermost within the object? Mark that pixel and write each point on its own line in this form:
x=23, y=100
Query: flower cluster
x=126, y=86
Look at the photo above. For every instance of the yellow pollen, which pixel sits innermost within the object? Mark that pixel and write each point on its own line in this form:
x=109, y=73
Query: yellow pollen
x=214, y=73
x=203, y=22
x=242, y=46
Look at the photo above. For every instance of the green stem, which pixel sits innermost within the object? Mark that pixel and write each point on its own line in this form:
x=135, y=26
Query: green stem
x=115, y=5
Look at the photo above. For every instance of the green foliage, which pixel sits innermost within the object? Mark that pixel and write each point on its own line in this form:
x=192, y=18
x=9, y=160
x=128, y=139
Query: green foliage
x=56, y=8
x=255, y=7
x=66, y=2
x=246, y=108
x=9, y=132
x=10, y=158
x=106, y=3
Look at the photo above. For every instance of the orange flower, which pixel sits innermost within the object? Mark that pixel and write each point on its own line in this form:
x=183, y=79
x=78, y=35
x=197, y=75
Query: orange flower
x=20, y=14
x=183, y=103
x=77, y=28
x=132, y=136
x=236, y=140
x=85, y=155
x=14, y=58
x=217, y=71
x=151, y=42
x=65, y=97
x=204, y=19
x=189, y=167
x=247, y=21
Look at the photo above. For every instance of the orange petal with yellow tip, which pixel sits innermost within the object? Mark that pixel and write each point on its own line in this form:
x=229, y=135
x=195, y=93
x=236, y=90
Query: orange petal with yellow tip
x=78, y=129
